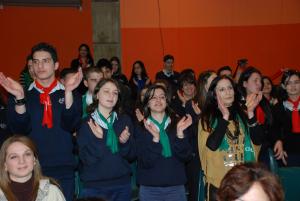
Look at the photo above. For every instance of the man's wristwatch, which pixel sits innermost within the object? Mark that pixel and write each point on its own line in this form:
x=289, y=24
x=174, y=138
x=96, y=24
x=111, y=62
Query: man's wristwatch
x=20, y=101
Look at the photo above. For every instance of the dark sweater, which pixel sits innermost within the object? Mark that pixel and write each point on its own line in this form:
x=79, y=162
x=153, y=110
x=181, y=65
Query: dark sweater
x=156, y=170
x=172, y=80
x=54, y=144
x=23, y=191
x=100, y=167
x=214, y=140
x=283, y=123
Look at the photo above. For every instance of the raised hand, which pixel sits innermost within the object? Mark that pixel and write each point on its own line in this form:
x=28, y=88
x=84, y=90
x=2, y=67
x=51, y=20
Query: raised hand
x=12, y=86
x=152, y=129
x=96, y=129
x=73, y=81
x=252, y=102
x=123, y=138
x=196, y=108
x=183, y=123
x=224, y=110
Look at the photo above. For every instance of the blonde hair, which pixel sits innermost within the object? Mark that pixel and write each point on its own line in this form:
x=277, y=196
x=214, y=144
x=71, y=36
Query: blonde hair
x=4, y=175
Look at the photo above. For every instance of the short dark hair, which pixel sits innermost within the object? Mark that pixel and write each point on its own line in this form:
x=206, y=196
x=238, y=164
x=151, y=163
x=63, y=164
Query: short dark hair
x=186, y=77
x=104, y=63
x=47, y=48
x=167, y=57
x=90, y=70
x=241, y=178
x=223, y=68
x=64, y=72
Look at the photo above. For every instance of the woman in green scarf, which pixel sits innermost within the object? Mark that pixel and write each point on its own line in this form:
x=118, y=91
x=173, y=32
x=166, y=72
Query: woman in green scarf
x=106, y=146
x=163, y=148
x=230, y=135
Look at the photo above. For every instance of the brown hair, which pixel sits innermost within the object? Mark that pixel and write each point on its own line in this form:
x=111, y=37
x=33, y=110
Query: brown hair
x=4, y=175
x=91, y=70
x=241, y=178
x=117, y=108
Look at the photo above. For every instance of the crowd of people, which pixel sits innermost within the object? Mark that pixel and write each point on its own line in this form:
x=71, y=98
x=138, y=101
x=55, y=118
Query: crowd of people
x=175, y=131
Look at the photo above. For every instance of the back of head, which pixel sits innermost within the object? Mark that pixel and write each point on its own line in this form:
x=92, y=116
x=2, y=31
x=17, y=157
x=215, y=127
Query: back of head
x=241, y=178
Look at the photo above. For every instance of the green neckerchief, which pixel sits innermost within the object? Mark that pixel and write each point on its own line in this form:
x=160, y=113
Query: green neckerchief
x=111, y=138
x=84, y=106
x=164, y=139
x=249, y=154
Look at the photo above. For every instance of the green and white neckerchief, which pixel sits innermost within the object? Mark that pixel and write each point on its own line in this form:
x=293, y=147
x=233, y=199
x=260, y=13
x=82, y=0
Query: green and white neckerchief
x=164, y=139
x=111, y=138
x=87, y=99
x=249, y=154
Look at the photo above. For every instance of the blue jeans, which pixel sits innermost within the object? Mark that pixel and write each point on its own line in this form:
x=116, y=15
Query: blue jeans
x=171, y=193
x=109, y=193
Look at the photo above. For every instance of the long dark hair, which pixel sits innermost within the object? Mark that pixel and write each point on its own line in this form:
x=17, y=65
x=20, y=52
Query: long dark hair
x=144, y=72
x=273, y=90
x=149, y=95
x=117, y=108
x=119, y=70
x=201, y=91
x=285, y=78
x=264, y=103
x=211, y=111
x=89, y=54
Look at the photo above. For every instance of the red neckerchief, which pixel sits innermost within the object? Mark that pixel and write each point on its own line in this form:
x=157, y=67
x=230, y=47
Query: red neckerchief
x=46, y=101
x=295, y=116
x=260, y=115
x=83, y=62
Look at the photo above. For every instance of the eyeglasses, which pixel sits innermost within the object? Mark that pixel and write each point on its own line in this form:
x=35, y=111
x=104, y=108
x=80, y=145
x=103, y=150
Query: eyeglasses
x=158, y=98
x=42, y=61
x=293, y=82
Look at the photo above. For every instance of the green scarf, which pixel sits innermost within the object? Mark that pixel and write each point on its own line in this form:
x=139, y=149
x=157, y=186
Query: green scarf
x=164, y=139
x=111, y=139
x=84, y=106
x=249, y=154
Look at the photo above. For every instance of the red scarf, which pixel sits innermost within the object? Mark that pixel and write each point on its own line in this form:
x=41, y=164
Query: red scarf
x=46, y=101
x=260, y=115
x=295, y=116
x=83, y=62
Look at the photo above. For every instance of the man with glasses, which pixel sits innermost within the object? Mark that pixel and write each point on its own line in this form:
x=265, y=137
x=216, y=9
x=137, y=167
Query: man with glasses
x=48, y=113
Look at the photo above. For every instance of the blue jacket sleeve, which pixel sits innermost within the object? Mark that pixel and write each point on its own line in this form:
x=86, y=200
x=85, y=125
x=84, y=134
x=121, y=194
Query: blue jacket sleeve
x=17, y=123
x=148, y=151
x=182, y=148
x=91, y=148
x=128, y=149
x=71, y=118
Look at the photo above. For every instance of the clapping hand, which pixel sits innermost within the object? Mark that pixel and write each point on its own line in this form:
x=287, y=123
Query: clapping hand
x=96, y=129
x=12, y=86
x=73, y=81
x=224, y=110
x=252, y=102
x=183, y=123
x=152, y=129
x=123, y=138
